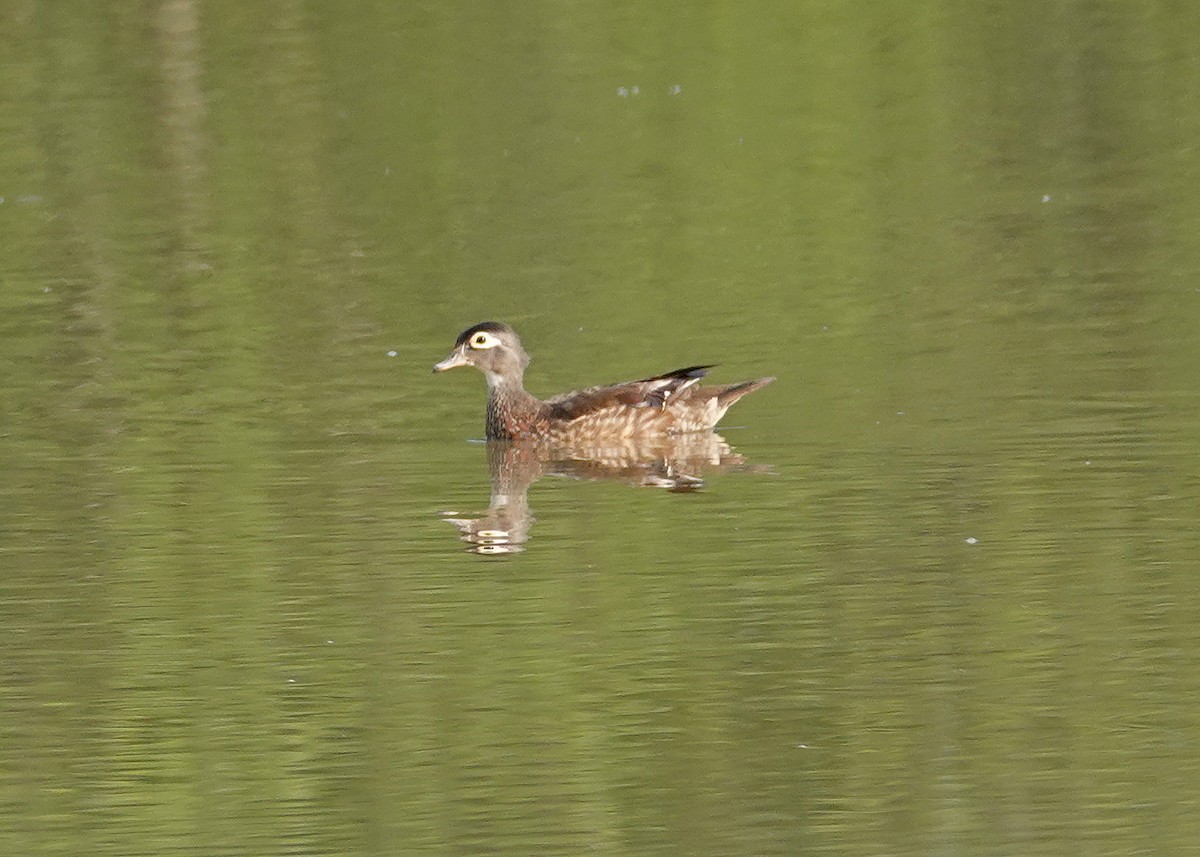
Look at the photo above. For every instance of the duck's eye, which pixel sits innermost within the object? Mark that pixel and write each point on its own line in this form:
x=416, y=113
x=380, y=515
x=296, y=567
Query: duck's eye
x=484, y=340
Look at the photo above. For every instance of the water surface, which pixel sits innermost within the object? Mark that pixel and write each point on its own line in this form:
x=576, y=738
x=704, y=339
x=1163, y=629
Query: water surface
x=952, y=607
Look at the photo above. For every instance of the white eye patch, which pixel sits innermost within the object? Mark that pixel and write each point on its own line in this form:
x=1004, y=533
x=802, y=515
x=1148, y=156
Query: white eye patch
x=483, y=340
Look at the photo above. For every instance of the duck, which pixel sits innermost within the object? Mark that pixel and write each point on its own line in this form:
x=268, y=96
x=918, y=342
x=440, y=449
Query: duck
x=672, y=403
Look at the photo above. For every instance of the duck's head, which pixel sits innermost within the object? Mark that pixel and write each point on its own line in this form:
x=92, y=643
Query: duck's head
x=492, y=348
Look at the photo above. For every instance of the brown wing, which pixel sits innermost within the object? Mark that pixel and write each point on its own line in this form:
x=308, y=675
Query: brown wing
x=648, y=393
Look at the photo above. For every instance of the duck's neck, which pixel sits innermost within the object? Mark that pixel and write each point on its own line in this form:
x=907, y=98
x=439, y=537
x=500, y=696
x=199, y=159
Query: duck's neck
x=511, y=412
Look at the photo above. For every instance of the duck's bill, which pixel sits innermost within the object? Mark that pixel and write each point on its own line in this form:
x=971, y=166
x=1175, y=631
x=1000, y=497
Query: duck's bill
x=455, y=359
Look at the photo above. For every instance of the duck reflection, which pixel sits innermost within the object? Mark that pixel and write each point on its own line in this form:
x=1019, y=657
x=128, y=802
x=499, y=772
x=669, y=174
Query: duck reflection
x=671, y=462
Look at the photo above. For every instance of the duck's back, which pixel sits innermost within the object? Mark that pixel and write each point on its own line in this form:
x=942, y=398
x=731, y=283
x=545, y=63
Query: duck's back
x=671, y=403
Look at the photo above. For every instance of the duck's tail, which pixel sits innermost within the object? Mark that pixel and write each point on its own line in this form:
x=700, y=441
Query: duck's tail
x=728, y=395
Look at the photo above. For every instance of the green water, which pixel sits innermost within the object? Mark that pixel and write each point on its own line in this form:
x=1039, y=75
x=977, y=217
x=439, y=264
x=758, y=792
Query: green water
x=950, y=605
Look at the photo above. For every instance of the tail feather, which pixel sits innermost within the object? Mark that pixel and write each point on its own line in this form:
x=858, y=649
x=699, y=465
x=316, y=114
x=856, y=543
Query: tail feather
x=728, y=395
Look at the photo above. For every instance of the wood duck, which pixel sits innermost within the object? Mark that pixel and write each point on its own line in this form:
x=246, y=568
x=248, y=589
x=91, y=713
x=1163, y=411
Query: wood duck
x=666, y=404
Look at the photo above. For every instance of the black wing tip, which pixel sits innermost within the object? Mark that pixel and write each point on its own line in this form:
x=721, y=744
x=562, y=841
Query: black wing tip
x=687, y=373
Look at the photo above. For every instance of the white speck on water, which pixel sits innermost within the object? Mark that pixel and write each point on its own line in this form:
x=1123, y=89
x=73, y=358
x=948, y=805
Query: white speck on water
x=675, y=89
x=971, y=540
x=1046, y=198
x=622, y=92
x=392, y=354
